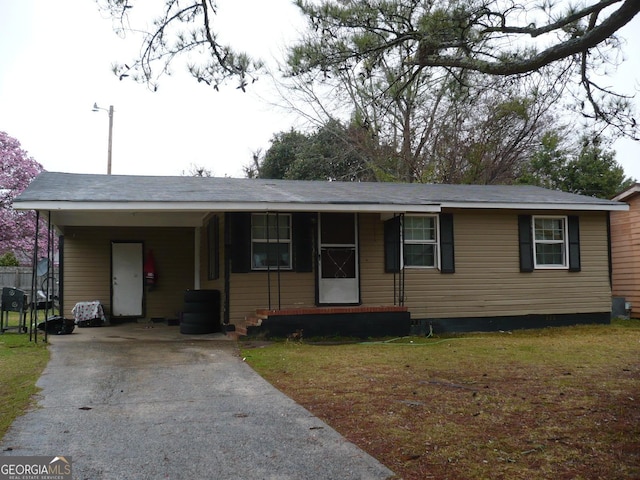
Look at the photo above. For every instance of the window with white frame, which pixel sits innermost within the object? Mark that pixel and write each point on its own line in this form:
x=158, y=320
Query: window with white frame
x=270, y=241
x=420, y=241
x=550, y=242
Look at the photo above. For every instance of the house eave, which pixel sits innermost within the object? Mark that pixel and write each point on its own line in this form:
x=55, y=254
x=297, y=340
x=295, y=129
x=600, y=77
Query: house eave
x=173, y=207
x=627, y=194
x=604, y=207
x=303, y=207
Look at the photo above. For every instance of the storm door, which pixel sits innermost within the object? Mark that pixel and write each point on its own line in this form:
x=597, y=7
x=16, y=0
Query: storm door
x=338, y=259
x=127, y=287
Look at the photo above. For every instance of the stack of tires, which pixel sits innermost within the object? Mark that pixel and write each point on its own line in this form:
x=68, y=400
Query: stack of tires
x=201, y=312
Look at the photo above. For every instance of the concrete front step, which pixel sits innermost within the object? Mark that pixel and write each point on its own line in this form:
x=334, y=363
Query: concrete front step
x=240, y=330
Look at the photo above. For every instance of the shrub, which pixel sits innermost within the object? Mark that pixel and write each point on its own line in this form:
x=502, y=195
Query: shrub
x=9, y=260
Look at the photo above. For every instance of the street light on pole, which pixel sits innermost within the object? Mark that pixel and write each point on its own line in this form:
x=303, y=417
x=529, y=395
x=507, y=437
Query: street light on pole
x=110, y=111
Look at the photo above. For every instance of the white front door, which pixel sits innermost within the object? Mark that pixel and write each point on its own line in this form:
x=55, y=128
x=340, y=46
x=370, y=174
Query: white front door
x=127, y=283
x=338, y=259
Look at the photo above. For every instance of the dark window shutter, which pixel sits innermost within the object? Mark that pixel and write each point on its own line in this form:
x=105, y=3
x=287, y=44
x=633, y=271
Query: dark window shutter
x=213, y=231
x=574, y=243
x=392, y=245
x=239, y=241
x=302, y=232
x=447, y=256
x=526, y=243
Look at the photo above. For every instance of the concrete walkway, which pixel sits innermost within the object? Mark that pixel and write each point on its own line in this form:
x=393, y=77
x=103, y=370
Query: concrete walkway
x=142, y=401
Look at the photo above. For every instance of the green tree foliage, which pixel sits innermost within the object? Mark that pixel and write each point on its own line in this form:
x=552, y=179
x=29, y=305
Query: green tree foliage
x=591, y=170
x=328, y=153
x=595, y=172
x=9, y=260
x=546, y=167
x=286, y=147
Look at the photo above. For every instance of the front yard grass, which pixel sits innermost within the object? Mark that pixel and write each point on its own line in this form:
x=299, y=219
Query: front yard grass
x=561, y=403
x=21, y=363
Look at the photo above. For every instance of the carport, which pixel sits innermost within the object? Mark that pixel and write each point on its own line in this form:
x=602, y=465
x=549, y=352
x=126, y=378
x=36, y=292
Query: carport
x=105, y=247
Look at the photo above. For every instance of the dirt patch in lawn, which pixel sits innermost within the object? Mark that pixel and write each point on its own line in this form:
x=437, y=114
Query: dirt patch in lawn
x=558, y=403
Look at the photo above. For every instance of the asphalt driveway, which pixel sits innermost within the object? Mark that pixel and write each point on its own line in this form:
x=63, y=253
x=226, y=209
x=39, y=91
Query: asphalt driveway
x=142, y=401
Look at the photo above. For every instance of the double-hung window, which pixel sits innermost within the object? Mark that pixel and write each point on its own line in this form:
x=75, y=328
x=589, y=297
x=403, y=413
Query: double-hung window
x=420, y=241
x=271, y=241
x=550, y=242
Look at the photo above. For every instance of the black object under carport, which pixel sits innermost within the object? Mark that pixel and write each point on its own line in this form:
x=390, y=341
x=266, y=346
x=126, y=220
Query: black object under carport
x=57, y=325
x=201, y=312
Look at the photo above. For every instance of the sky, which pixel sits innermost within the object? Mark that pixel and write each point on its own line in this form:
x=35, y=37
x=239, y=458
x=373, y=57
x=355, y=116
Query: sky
x=55, y=63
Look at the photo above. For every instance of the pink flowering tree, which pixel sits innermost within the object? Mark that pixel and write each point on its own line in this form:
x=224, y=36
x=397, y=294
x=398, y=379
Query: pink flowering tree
x=18, y=228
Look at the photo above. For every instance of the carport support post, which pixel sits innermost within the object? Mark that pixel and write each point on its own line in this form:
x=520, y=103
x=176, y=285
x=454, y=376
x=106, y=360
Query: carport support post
x=196, y=259
x=33, y=332
x=48, y=278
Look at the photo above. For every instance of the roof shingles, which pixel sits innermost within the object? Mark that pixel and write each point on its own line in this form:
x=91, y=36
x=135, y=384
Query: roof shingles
x=90, y=188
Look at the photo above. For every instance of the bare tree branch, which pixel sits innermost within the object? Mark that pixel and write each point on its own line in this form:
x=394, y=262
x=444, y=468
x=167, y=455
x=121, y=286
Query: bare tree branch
x=183, y=27
x=483, y=36
x=514, y=66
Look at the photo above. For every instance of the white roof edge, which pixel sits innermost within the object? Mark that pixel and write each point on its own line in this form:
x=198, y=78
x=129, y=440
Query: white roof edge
x=222, y=206
x=627, y=193
x=538, y=206
x=303, y=207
